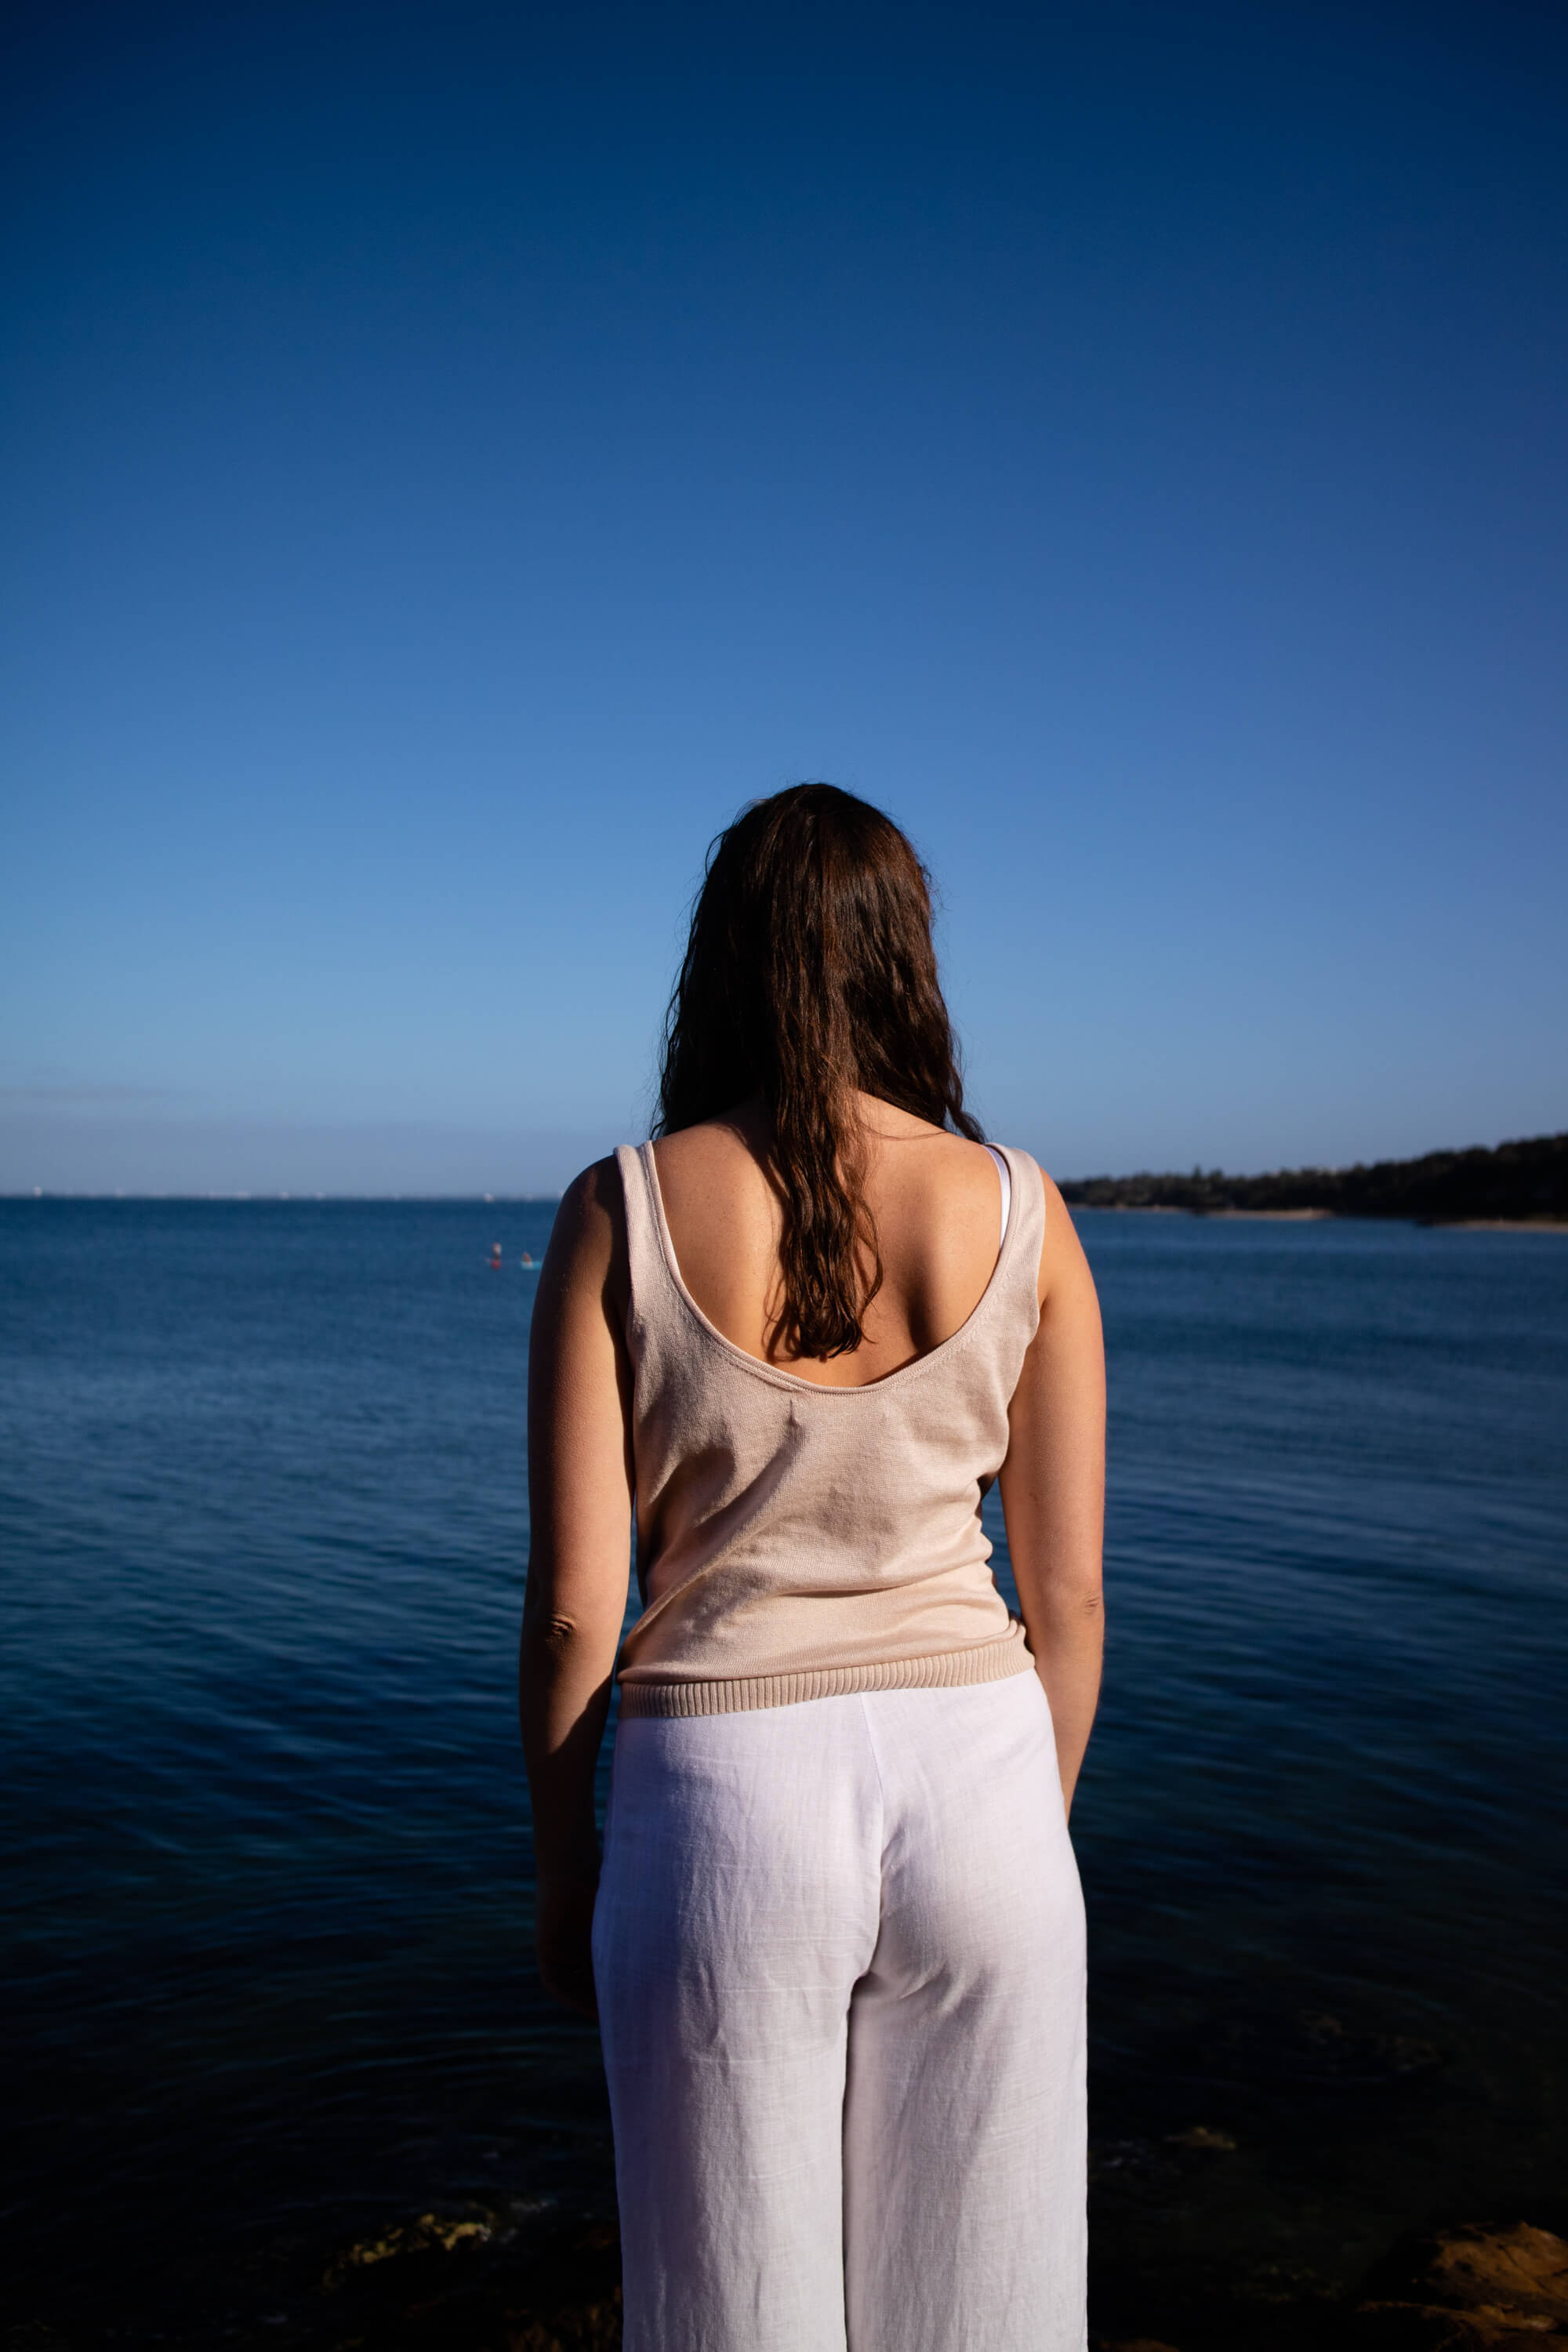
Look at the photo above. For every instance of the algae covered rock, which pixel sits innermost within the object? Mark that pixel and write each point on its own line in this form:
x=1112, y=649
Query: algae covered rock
x=1469, y=2290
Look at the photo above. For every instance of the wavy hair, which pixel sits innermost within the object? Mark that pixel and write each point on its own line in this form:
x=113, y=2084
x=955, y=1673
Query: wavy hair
x=810, y=972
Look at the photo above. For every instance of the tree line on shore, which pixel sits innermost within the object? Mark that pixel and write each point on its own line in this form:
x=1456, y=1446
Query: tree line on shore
x=1523, y=1182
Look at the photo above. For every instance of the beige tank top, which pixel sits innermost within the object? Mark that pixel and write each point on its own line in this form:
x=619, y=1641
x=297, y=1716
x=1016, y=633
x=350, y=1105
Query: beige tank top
x=795, y=1541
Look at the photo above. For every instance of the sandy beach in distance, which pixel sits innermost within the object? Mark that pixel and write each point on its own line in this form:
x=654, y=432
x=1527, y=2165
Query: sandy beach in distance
x=1438, y=1225
x=1170, y=1209
x=1321, y=1216
x=1271, y=1216
x=1505, y=1225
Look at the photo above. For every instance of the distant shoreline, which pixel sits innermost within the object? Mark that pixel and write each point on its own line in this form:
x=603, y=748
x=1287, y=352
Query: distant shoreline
x=1317, y=1217
x=1520, y=1187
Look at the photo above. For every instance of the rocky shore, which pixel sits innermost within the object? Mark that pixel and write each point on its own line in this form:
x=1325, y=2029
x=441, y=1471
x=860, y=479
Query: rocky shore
x=1462, y=2290
x=1466, y=2289
x=517, y=2279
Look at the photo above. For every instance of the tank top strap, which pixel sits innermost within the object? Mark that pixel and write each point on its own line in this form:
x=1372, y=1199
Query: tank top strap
x=653, y=1285
x=1019, y=1267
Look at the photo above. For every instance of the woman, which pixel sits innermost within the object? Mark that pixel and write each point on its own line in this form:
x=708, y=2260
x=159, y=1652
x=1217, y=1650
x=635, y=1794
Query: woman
x=836, y=1947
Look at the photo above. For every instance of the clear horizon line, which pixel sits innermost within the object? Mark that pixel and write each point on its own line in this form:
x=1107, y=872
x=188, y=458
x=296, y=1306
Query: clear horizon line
x=291, y=1199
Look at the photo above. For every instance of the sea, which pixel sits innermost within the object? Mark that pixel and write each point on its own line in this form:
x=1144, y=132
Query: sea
x=268, y=1978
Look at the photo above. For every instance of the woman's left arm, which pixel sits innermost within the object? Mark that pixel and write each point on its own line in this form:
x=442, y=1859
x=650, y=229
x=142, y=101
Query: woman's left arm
x=580, y=1503
x=1053, y=1489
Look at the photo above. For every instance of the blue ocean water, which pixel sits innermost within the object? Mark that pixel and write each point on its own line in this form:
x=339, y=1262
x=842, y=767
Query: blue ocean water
x=263, y=1528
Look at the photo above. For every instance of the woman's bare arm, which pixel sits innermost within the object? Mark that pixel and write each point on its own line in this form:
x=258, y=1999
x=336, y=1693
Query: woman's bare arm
x=1053, y=1489
x=580, y=1490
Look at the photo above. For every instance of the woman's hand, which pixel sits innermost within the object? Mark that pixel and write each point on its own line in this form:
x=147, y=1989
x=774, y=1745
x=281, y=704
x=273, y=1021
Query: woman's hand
x=563, y=1917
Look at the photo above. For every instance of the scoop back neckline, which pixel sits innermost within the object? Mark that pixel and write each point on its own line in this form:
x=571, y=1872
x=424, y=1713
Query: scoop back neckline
x=777, y=1372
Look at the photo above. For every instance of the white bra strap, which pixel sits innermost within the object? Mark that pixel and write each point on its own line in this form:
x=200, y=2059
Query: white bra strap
x=1002, y=1170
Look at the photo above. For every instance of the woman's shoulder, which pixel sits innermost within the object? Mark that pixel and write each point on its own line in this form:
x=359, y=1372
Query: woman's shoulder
x=961, y=1177
x=594, y=1192
x=732, y=1142
x=714, y=1177
x=588, y=1236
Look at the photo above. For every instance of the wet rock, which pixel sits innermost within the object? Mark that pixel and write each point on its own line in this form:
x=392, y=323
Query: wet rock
x=1130, y=2162
x=596, y=2328
x=573, y=2297
x=1367, y=2057
x=1313, y=2050
x=1469, y=2290
x=429, y=2235
x=1286, y=2286
x=1431, y=2327
x=1126, y=2158
x=1522, y=2267
x=501, y=2282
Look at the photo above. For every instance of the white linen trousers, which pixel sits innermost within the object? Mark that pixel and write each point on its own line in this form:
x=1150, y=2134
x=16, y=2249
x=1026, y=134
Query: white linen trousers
x=839, y=1954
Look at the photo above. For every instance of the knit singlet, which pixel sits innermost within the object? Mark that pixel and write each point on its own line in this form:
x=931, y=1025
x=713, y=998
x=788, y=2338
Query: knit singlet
x=797, y=1541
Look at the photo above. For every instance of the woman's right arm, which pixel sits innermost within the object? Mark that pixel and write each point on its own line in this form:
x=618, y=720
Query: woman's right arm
x=580, y=1504
x=1053, y=1489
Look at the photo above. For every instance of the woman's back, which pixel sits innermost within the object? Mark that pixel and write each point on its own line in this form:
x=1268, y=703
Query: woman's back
x=936, y=1201
x=797, y=1533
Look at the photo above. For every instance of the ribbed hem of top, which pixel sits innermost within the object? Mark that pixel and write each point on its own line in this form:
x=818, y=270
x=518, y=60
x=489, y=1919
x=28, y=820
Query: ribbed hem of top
x=984, y=1662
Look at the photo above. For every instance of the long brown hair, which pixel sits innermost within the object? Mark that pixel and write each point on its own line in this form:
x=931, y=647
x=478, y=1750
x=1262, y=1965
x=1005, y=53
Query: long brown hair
x=809, y=972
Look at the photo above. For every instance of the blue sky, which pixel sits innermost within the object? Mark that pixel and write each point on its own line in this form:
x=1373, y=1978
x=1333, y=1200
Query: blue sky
x=455, y=456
